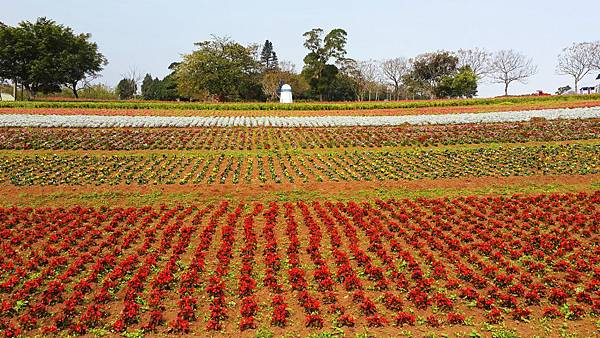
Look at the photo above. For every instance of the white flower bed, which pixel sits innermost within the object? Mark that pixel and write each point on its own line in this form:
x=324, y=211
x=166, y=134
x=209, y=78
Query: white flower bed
x=100, y=121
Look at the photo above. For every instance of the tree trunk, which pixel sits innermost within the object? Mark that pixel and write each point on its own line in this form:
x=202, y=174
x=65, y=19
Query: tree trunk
x=15, y=92
x=505, y=88
x=576, y=87
x=74, y=89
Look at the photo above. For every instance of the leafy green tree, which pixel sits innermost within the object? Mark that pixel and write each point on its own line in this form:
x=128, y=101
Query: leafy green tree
x=43, y=56
x=167, y=90
x=461, y=84
x=82, y=63
x=220, y=69
x=428, y=70
x=317, y=71
x=126, y=89
x=148, y=88
x=562, y=90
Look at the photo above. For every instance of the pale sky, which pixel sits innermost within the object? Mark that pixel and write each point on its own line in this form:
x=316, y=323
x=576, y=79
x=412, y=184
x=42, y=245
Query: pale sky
x=149, y=35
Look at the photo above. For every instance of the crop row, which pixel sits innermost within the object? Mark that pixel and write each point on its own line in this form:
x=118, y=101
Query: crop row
x=239, y=138
x=298, y=167
x=116, y=121
x=296, y=106
x=231, y=268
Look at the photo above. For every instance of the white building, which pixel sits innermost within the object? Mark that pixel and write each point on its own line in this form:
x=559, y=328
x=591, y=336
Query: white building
x=286, y=94
x=6, y=97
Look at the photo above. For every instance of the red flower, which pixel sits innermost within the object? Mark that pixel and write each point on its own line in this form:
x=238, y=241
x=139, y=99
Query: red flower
x=405, y=318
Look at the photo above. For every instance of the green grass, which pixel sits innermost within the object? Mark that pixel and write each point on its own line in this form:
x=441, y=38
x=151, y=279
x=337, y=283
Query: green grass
x=303, y=106
x=192, y=196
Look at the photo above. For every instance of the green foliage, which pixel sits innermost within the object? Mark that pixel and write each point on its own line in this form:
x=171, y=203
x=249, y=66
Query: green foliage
x=268, y=57
x=461, y=84
x=220, y=69
x=562, y=90
x=270, y=83
x=45, y=55
x=126, y=89
x=94, y=92
x=505, y=333
x=428, y=70
x=317, y=72
x=264, y=332
x=307, y=106
x=159, y=90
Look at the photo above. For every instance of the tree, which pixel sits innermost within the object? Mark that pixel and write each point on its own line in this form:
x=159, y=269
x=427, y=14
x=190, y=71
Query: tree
x=82, y=63
x=562, y=90
x=596, y=55
x=394, y=71
x=368, y=78
x=271, y=81
x=43, y=56
x=321, y=51
x=576, y=61
x=149, y=87
x=268, y=57
x=126, y=89
x=477, y=59
x=428, y=70
x=11, y=63
x=461, y=84
x=221, y=69
x=507, y=66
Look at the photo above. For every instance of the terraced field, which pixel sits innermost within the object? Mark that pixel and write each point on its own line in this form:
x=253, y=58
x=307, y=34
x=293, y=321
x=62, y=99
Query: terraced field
x=437, y=224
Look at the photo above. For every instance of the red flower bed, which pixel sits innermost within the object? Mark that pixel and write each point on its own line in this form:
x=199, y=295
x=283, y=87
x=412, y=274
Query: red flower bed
x=386, y=264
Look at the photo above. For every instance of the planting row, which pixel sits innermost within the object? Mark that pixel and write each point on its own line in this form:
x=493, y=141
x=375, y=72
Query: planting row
x=381, y=111
x=298, y=167
x=239, y=138
x=107, y=121
x=302, y=106
x=404, y=264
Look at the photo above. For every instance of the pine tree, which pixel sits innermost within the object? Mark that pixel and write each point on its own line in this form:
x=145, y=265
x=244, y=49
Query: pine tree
x=266, y=54
x=274, y=61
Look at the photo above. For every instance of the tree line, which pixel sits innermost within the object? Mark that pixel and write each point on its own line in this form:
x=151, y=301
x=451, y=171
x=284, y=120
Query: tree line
x=46, y=57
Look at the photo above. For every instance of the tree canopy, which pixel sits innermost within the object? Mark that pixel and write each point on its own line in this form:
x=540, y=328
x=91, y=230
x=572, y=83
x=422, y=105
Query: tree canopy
x=43, y=56
x=126, y=89
x=429, y=69
x=317, y=71
x=268, y=57
x=220, y=69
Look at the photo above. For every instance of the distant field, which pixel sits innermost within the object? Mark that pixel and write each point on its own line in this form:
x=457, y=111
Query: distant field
x=331, y=108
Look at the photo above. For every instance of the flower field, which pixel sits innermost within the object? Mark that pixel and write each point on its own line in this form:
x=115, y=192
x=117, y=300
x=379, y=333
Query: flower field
x=239, y=138
x=385, y=265
x=440, y=224
x=291, y=167
x=527, y=101
x=115, y=121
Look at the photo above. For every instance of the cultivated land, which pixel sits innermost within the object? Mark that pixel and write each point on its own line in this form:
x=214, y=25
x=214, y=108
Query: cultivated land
x=487, y=229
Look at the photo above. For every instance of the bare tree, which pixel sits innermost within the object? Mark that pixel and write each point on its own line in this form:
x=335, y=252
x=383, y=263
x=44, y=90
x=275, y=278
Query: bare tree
x=369, y=74
x=507, y=66
x=133, y=74
x=477, y=59
x=596, y=55
x=576, y=61
x=394, y=70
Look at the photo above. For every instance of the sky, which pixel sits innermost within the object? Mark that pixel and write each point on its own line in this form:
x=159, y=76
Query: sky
x=148, y=35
